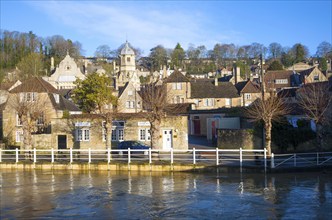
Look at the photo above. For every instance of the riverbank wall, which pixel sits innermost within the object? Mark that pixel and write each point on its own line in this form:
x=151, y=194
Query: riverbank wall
x=143, y=167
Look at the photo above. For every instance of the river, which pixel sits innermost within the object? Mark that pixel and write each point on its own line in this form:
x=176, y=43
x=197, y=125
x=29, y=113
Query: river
x=131, y=195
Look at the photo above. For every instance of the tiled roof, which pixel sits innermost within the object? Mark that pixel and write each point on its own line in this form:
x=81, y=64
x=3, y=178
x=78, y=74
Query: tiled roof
x=248, y=87
x=35, y=84
x=176, y=76
x=206, y=89
x=287, y=92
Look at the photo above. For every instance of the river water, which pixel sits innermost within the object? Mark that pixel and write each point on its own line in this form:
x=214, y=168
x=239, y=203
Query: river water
x=131, y=195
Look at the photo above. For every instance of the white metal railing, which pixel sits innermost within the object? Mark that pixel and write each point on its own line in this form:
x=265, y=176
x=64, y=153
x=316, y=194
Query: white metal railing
x=231, y=157
x=301, y=159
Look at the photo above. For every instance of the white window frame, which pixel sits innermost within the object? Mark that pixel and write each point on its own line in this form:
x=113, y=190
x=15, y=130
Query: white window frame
x=228, y=102
x=19, y=136
x=208, y=102
x=281, y=81
x=120, y=134
x=177, y=86
x=82, y=134
x=144, y=134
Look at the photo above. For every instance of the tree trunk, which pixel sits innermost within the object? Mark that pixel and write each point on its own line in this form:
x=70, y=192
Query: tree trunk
x=108, y=132
x=155, y=134
x=268, y=128
x=27, y=139
x=319, y=136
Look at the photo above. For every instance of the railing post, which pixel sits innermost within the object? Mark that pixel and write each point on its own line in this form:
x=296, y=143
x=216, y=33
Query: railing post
x=317, y=158
x=16, y=155
x=71, y=155
x=272, y=160
x=294, y=160
x=240, y=156
x=217, y=157
x=108, y=155
x=89, y=155
x=172, y=159
x=0, y=155
x=52, y=155
x=150, y=157
x=129, y=155
x=265, y=161
x=194, y=156
x=34, y=155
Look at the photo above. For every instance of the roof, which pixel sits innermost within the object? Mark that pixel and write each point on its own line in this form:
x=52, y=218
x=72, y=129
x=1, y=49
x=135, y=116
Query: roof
x=122, y=88
x=207, y=89
x=306, y=72
x=63, y=104
x=287, y=92
x=127, y=50
x=248, y=87
x=176, y=76
x=6, y=85
x=34, y=84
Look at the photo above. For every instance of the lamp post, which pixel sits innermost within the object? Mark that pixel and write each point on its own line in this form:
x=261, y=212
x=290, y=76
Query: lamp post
x=262, y=77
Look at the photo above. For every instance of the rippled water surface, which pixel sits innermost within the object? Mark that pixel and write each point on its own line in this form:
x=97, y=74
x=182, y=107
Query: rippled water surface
x=130, y=195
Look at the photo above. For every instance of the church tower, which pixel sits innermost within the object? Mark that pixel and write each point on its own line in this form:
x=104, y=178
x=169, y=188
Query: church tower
x=127, y=64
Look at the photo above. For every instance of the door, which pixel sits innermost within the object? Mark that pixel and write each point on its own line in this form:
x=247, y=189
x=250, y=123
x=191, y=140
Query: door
x=167, y=139
x=62, y=142
x=197, y=127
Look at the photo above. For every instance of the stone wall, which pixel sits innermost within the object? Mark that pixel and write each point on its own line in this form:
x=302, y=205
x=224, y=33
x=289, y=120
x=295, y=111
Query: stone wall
x=234, y=139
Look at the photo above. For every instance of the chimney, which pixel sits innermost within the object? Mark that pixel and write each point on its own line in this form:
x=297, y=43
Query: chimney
x=237, y=74
x=52, y=64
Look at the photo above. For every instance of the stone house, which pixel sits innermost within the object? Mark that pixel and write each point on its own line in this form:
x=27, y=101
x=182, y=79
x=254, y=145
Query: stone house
x=249, y=92
x=86, y=131
x=129, y=99
x=178, y=88
x=40, y=95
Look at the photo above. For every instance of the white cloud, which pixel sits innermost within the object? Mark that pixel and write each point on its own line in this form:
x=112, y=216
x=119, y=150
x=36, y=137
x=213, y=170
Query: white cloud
x=144, y=26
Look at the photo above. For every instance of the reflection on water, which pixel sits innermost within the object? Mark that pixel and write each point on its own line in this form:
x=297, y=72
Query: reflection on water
x=132, y=195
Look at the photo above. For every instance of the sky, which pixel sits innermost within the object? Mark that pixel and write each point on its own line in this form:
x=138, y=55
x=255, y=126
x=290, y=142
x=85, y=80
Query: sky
x=146, y=24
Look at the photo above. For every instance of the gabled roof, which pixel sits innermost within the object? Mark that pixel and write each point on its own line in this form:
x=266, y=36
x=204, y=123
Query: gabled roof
x=63, y=104
x=122, y=88
x=176, y=76
x=248, y=87
x=34, y=84
x=306, y=72
x=207, y=89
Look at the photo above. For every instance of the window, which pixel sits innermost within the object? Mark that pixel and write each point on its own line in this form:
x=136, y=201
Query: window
x=113, y=135
x=130, y=104
x=28, y=97
x=144, y=134
x=208, y=102
x=228, y=102
x=177, y=86
x=82, y=134
x=128, y=59
x=120, y=134
x=57, y=98
x=316, y=78
x=248, y=96
x=281, y=81
x=18, y=120
x=130, y=92
x=19, y=136
x=40, y=120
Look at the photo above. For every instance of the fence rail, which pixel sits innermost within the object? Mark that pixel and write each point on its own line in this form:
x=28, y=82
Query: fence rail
x=227, y=157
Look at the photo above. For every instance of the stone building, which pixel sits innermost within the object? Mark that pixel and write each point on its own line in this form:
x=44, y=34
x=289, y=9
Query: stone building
x=65, y=74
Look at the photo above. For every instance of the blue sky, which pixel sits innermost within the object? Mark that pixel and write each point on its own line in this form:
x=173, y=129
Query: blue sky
x=148, y=23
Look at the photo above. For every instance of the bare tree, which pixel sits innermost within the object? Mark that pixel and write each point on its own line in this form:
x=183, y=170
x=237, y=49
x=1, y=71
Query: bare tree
x=32, y=111
x=155, y=102
x=315, y=100
x=268, y=109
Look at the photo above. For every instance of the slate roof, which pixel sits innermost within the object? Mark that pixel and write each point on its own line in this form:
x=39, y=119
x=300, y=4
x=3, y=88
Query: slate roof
x=35, y=84
x=271, y=76
x=248, y=87
x=63, y=104
x=176, y=76
x=287, y=92
x=207, y=89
